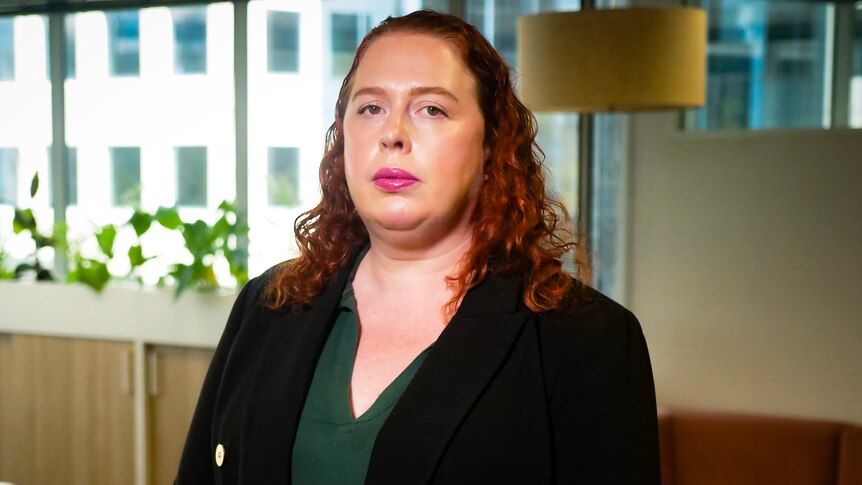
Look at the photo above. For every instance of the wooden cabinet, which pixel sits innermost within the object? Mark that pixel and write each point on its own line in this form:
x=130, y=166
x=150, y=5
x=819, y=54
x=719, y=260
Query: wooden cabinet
x=175, y=376
x=66, y=411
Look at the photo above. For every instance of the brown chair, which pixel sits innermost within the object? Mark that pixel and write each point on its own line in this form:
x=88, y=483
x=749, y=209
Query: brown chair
x=711, y=448
x=850, y=463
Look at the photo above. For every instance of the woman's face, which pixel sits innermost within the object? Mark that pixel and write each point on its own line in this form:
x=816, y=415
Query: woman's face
x=414, y=132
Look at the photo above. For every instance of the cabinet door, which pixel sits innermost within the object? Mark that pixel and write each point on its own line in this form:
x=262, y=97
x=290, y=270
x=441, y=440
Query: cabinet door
x=66, y=411
x=175, y=378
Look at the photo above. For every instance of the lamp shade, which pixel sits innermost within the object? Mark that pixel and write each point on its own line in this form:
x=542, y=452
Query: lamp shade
x=627, y=59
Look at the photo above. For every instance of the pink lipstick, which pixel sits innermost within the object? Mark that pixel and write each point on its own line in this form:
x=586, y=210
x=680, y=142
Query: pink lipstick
x=393, y=179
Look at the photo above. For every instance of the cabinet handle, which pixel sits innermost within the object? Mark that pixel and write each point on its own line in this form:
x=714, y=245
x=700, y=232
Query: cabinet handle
x=153, y=373
x=126, y=366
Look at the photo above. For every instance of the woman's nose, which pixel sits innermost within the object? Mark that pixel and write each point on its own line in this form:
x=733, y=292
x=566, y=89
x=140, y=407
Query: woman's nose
x=395, y=135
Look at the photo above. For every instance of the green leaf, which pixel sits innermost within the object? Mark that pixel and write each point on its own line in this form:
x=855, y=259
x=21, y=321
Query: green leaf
x=43, y=274
x=34, y=185
x=240, y=229
x=168, y=217
x=197, y=237
x=136, y=256
x=141, y=221
x=23, y=221
x=58, y=237
x=208, y=276
x=41, y=240
x=222, y=228
x=226, y=206
x=184, y=275
x=106, y=237
x=23, y=268
x=93, y=274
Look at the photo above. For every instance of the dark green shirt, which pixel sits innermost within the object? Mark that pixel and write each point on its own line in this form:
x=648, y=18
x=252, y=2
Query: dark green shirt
x=331, y=446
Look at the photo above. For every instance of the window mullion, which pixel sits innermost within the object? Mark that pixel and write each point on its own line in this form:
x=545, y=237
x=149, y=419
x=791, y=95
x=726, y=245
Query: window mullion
x=59, y=153
x=240, y=25
x=842, y=64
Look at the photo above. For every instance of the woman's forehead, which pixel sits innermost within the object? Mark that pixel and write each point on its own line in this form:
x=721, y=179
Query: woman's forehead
x=412, y=58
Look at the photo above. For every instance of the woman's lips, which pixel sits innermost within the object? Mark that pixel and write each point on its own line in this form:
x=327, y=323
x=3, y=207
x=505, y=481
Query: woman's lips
x=393, y=179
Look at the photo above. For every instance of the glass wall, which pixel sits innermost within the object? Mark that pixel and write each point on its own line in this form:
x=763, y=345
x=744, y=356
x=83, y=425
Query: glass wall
x=769, y=65
x=25, y=131
x=558, y=137
x=298, y=54
x=150, y=116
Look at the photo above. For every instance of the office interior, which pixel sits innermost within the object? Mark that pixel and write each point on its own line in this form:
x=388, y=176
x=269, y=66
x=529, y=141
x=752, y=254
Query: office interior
x=733, y=231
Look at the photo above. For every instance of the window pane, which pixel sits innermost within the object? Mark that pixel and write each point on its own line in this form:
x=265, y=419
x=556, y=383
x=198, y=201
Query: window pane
x=767, y=65
x=856, y=86
x=7, y=49
x=283, y=176
x=190, y=39
x=282, y=41
x=171, y=133
x=8, y=176
x=191, y=176
x=124, y=43
x=126, y=176
x=345, y=40
x=288, y=115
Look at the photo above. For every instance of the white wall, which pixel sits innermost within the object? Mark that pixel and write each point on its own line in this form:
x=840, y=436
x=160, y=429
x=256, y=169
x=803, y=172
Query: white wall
x=745, y=267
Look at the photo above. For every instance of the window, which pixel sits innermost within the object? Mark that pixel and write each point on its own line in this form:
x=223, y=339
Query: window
x=283, y=176
x=7, y=49
x=125, y=176
x=345, y=40
x=191, y=176
x=8, y=176
x=768, y=65
x=190, y=39
x=123, y=43
x=282, y=41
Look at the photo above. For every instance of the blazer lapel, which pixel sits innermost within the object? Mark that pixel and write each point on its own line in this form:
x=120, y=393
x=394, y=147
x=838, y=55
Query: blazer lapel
x=456, y=370
x=281, y=382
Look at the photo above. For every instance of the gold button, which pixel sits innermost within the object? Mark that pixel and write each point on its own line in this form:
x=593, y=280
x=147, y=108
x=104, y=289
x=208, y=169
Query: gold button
x=219, y=456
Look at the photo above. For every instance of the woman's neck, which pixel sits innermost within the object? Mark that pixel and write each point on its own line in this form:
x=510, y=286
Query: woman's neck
x=387, y=264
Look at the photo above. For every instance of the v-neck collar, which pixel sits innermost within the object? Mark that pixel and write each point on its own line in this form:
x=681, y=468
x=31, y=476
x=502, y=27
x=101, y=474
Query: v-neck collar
x=334, y=374
x=465, y=357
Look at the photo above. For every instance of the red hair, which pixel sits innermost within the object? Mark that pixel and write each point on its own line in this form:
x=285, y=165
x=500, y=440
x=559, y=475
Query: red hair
x=517, y=227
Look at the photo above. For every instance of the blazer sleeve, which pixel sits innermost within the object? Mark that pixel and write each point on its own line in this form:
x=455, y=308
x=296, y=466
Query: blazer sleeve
x=197, y=464
x=603, y=404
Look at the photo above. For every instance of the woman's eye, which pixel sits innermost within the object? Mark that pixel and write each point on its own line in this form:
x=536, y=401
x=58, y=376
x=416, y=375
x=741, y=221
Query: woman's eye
x=434, y=111
x=371, y=108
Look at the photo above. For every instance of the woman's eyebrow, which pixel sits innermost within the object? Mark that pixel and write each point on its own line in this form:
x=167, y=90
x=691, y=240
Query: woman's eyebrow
x=417, y=91
x=370, y=90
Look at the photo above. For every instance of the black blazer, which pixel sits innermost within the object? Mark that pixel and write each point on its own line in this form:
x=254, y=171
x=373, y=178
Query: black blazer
x=506, y=395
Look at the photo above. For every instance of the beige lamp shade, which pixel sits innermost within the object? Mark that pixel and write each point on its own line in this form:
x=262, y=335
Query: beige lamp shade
x=627, y=59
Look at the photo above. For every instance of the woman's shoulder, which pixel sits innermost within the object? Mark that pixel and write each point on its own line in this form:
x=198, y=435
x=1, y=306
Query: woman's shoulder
x=253, y=294
x=597, y=334
x=592, y=313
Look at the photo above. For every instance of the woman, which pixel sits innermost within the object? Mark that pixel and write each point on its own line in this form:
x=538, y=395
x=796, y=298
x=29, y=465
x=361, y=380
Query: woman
x=427, y=333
